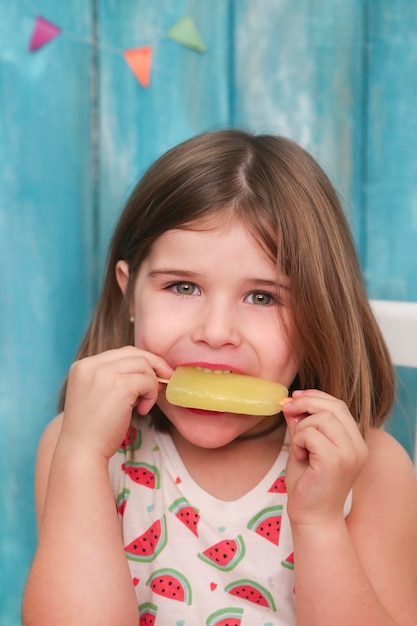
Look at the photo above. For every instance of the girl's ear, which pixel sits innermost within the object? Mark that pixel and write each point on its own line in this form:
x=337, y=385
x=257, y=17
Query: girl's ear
x=122, y=275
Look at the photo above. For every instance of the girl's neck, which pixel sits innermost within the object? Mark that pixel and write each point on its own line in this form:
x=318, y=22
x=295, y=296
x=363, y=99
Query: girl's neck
x=210, y=467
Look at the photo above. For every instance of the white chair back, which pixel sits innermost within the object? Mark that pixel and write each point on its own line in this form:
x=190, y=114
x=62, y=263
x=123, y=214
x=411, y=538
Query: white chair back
x=398, y=322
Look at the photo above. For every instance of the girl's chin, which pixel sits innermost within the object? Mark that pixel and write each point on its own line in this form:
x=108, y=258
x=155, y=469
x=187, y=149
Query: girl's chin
x=210, y=441
x=217, y=430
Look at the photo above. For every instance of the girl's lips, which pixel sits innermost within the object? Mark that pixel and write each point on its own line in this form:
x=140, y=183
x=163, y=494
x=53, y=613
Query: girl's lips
x=212, y=366
x=204, y=412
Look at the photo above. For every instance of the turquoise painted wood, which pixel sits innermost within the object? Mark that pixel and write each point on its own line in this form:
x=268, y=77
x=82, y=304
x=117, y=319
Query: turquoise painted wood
x=313, y=90
x=46, y=252
x=189, y=91
x=389, y=210
x=77, y=130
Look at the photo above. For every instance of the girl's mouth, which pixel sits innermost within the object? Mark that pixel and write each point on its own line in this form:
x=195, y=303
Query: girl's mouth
x=216, y=368
x=204, y=412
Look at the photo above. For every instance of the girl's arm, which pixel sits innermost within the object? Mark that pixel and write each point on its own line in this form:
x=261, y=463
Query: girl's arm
x=362, y=570
x=80, y=574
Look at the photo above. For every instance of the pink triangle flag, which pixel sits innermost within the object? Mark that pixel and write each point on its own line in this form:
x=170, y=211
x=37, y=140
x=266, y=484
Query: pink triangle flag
x=140, y=61
x=43, y=32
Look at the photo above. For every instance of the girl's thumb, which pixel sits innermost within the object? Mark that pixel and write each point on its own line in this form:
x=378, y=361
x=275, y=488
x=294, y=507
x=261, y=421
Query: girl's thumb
x=291, y=421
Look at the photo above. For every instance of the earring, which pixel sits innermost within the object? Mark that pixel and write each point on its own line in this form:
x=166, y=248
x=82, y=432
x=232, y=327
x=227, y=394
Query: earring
x=132, y=319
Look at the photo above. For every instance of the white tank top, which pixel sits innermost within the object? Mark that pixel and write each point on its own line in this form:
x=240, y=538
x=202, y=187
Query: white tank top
x=196, y=560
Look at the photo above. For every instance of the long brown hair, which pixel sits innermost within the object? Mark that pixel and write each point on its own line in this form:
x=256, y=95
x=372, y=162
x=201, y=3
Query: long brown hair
x=279, y=191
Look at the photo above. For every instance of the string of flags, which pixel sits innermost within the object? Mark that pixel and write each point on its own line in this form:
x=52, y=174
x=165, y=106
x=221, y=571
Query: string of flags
x=139, y=60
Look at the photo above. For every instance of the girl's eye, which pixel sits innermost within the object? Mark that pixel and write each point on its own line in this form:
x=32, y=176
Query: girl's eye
x=185, y=288
x=260, y=298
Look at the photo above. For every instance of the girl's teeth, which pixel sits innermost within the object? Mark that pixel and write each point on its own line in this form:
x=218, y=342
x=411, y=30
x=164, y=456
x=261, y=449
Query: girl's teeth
x=210, y=371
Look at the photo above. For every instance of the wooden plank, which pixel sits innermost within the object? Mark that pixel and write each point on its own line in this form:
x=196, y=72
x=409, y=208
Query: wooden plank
x=188, y=93
x=45, y=252
x=298, y=72
x=391, y=182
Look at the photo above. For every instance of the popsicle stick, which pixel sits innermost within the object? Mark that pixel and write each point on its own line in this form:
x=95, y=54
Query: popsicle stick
x=165, y=381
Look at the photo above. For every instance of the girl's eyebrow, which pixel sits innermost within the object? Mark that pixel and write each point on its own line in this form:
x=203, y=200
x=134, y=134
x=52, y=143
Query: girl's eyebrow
x=254, y=282
x=172, y=272
x=262, y=282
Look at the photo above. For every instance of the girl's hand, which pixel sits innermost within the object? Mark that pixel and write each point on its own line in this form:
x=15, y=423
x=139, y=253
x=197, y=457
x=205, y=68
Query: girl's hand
x=103, y=390
x=327, y=453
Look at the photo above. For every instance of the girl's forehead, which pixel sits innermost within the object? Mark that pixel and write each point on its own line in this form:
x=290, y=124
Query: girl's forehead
x=221, y=220
x=210, y=232
x=216, y=219
x=220, y=246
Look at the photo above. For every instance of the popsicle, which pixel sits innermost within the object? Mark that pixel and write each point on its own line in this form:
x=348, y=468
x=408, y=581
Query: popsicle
x=218, y=390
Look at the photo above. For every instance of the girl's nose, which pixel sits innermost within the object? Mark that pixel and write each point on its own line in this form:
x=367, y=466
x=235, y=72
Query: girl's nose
x=217, y=326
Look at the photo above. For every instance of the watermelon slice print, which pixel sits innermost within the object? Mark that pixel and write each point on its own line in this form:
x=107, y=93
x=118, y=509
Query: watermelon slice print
x=267, y=523
x=186, y=513
x=170, y=583
x=147, y=546
x=279, y=485
x=121, y=501
x=251, y=591
x=142, y=474
x=132, y=441
x=225, y=617
x=224, y=555
x=289, y=561
x=147, y=614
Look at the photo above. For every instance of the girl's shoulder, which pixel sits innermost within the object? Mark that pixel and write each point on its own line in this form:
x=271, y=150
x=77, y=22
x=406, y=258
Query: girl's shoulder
x=48, y=441
x=46, y=447
x=51, y=433
x=44, y=456
x=386, y=453
x=383, y=521
x=387, y=485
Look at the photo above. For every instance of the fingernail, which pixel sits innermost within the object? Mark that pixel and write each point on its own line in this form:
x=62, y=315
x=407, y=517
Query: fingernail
x=298, y=392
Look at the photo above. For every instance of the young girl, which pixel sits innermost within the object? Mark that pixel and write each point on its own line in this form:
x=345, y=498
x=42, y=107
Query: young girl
x=232, y=254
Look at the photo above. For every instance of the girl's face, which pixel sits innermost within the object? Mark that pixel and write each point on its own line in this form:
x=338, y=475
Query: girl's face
x=211, y=298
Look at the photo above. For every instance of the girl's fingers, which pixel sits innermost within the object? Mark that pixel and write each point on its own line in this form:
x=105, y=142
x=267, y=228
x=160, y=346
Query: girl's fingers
x=311, y=412
x=327, y=453
x=313, y=402
x=319, y=434
x=107, y=371
x=128, y=354
x=326, y=423
x=316, y=443
x=127, y=375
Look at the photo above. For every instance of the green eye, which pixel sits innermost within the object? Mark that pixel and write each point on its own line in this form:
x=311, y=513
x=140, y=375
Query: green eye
x=260, y=298
x=185, y=289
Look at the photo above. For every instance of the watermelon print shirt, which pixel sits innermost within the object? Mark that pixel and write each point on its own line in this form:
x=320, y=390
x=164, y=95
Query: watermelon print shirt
x=196, y=560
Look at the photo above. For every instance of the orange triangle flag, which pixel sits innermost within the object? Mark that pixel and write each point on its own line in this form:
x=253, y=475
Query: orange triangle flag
x=140, y=61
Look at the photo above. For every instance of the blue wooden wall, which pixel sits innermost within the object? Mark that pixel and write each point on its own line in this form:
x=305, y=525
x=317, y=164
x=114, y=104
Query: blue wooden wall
x=77, y=129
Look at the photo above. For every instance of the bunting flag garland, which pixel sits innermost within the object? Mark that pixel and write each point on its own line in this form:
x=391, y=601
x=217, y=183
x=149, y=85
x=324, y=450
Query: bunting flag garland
x=43, y=32
x=140, y=61
x=186, y=33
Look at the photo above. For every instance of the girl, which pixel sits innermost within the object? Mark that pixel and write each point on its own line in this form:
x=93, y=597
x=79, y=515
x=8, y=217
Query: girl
x=232, y=254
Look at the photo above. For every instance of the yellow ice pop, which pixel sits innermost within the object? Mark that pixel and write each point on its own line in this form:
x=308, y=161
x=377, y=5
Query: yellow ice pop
x=216, y=390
